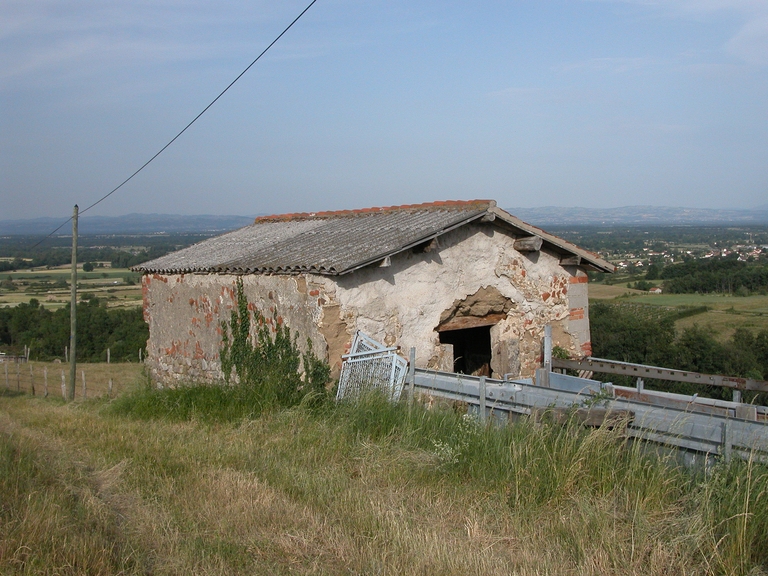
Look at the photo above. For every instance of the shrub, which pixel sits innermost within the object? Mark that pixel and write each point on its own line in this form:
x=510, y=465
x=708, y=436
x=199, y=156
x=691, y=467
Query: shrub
x=271, y=364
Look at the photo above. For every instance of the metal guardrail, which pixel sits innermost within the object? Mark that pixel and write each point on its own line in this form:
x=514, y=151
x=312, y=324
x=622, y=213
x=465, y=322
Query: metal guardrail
x=657, y=373
x=695, y=433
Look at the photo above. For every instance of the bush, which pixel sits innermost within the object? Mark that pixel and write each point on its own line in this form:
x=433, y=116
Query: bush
x=271, y=364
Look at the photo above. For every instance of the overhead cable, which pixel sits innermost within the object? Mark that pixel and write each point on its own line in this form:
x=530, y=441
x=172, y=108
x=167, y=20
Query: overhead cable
x=124, y=182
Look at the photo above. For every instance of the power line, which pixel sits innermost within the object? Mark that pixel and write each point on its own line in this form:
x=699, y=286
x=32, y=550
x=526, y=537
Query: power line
x=124, y=182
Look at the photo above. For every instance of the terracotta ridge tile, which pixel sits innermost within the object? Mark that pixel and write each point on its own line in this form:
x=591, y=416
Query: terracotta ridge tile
x=445, y=204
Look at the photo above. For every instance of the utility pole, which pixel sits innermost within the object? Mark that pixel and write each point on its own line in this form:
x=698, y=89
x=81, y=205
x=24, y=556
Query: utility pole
x=73, y=311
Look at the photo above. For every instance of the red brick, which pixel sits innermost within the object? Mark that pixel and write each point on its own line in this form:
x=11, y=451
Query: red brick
x=579, y=280
x=576, y=314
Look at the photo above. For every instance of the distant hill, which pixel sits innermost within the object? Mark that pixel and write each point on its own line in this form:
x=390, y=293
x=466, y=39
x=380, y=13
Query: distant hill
x=638, y=215
x=128, y=224
x=544, y=216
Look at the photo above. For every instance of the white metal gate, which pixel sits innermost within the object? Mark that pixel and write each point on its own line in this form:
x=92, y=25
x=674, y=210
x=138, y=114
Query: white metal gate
x=371, y=366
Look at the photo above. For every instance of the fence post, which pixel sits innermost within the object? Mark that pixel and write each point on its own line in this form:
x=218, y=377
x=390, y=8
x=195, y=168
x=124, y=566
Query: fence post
x=481, y=387
x=107, y=355
x=737, y=396
x=45, y=382
x=640, y=385
x=18, y=375
x=140, y=359
x=63, y=386
x=66, y=355
x=110, y=388
x=82, y=373
x=5, y=363
x=31, y=379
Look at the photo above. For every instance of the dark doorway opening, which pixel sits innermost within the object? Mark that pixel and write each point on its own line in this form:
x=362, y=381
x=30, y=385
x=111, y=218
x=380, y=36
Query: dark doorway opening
x=471, y=349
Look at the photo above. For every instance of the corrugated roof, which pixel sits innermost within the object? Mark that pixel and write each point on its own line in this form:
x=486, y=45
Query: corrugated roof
x=336, y=242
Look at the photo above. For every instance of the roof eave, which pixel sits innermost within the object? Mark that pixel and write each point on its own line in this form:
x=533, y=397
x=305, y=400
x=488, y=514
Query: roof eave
x=589, y=260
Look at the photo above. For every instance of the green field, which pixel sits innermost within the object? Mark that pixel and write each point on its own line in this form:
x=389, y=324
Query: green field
x=47, y=286
x=724, y=315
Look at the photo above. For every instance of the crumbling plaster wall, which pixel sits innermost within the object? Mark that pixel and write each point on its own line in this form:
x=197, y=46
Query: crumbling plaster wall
x=400, y=304
x=185, y=313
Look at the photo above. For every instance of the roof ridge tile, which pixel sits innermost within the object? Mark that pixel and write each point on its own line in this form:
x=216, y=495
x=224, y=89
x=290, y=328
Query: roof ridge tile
x=442, y=204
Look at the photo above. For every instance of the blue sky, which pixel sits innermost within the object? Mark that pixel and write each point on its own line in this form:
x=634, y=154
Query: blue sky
x=594, y=103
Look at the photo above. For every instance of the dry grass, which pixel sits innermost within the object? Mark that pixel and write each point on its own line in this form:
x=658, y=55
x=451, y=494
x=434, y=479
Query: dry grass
x=297, y=493
x=31, y=377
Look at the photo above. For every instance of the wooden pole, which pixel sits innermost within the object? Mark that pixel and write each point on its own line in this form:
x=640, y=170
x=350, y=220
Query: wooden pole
x=107, y=355
x=31, y=378
x=18, y=375
x=82, y=373
x=7, y=387
x=45, y=382
x=110, y=388
x=73, y=311
x=63, y=386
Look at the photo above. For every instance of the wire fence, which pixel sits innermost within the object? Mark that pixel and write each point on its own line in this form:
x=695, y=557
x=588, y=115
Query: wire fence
x=48, y=379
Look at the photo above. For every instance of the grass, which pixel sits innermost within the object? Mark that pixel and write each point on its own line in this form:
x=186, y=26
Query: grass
x=368, y=489
x=28, y=376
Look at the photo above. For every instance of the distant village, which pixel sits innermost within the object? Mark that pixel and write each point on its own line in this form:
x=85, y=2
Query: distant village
x=636, y=262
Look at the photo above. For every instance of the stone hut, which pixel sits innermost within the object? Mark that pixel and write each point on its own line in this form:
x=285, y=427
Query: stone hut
x=467, y=284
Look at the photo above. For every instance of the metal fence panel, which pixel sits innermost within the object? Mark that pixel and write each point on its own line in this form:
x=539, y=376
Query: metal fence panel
x=371, y=366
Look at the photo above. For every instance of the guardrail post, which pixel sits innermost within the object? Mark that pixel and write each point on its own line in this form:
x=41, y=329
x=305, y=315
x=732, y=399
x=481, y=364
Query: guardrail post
x=548, y=348
x=481, y=386
x=727, y=436
x=737, y=396
x=542, y=377
x=640, y=385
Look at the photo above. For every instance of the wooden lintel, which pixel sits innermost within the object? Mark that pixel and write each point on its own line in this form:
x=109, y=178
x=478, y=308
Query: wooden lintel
x=464, y=322
x=528, y=244
x=570, y=260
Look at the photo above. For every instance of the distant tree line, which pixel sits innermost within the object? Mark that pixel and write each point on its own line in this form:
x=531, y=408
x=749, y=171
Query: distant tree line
x=621, y=333
x=714, y=275
x=659, y=238
x=46, y=332
x=59, y=257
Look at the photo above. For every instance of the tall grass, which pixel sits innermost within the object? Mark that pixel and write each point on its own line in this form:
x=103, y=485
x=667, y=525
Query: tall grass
x=366, y=488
